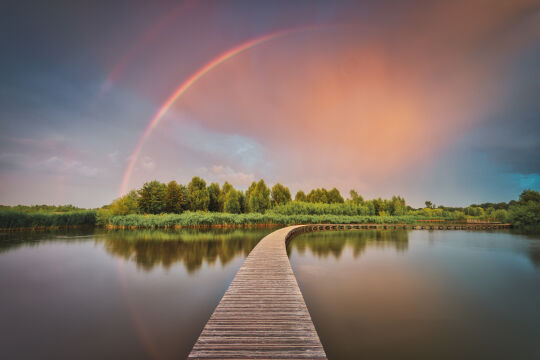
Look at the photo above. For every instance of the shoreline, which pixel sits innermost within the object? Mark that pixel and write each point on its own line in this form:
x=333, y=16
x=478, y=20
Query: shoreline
x=442, y=225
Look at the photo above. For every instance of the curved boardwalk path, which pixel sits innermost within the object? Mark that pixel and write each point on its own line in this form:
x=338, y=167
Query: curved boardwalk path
x=263, y=314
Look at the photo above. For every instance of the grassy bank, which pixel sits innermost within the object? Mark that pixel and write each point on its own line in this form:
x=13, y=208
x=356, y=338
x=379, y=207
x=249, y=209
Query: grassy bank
x=209, y=219
x=14, y=220
x=17, y=220
x=20, y=220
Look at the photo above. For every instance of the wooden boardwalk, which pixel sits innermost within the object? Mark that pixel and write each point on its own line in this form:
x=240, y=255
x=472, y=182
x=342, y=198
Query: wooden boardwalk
x=263, y=314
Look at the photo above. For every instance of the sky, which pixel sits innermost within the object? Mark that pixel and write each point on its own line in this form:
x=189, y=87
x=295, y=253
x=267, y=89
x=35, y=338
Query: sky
x=429, y=100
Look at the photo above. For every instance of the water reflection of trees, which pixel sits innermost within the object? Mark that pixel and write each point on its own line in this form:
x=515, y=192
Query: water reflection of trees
x=534, y=246
x=151, y=248
x=13, y=240
x=324, y=244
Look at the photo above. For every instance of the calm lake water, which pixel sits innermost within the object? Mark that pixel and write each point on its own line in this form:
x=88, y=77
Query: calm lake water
x=113, y=295
x=372, y=294
x=422, y=294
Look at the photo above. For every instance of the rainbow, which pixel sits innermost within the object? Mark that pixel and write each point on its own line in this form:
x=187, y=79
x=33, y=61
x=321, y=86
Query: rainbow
x=186, y=85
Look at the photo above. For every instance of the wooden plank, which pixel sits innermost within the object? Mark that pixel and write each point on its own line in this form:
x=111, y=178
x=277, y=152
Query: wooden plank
x=263, y=314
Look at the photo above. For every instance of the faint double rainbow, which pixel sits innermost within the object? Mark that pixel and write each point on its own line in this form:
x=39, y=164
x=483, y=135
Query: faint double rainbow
x=188, y=83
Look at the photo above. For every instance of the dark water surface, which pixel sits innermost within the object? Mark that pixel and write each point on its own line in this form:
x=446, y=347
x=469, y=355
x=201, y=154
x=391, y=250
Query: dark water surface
x=422, y=294
x=113, y=295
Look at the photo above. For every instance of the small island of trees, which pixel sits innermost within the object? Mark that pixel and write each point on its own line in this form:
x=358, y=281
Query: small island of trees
x=160, y=205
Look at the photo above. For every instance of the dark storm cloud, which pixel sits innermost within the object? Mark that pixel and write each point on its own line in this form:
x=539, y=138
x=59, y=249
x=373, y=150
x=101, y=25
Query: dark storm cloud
x=512, y=136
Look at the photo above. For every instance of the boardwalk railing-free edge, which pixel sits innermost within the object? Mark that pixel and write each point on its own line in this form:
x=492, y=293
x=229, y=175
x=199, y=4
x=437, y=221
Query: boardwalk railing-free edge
x=263, y=315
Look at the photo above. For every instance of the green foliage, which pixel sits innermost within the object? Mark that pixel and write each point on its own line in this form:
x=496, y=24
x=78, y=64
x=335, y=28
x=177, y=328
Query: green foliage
x=348, y=209
x=197, y=193
x=12, y=219
x=242, y=199
x=305, y=208
x=254, y=207
x=127, y=204
x=41, y=208
x=280, y=194
x=175, y=201
x=529, y=195
x=300, y=196
x=459, y=215
x=334, y=197
x=259, y=198
x=152, y=197
x=318, y=196
x=200, y=218
x=397, y=206
x=232, y=202
x=500, y=215
x=249, y=191
x=474, y=211
x=355, y=198
x=213, y=195
x=324, y=196
x=526, y=215
x=223, y=193
x=526, y=212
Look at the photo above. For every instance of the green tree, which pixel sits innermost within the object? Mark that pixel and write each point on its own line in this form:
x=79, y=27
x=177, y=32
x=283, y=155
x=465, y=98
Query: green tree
x=300, y=196
x=525, y=215
x=397, y=206
x=355, y=197
x=250, y=190
x=127, y=204
x=500, y=215
x=474, y=211
x=379, y=206
x=243, y=202
x=529, y=195
x=280, y=194
x=152, y=197
x=197, y=194
x=334, y=197
x=459, y=215
x=232, y=202
x=174, y=198
x=224, y=190
x=213, y=195
x=318, y=196
x=259, y=198
x=429, y=204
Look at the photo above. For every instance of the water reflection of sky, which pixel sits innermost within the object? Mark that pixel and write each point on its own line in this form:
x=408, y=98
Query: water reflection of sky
x=421, y=294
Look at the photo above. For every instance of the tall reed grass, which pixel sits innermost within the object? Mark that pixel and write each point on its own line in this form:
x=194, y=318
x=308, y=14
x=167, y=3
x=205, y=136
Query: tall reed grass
x=10, y=219
x=194, y=219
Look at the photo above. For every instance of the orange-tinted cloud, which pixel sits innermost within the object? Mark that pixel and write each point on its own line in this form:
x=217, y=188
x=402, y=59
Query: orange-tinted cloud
x=363, y=104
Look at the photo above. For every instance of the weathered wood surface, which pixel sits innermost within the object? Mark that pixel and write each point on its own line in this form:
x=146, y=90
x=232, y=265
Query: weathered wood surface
x=263, y=314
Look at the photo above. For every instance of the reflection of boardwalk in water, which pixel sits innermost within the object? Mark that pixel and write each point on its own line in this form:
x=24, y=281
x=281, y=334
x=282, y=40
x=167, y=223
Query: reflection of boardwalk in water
x=263, y=313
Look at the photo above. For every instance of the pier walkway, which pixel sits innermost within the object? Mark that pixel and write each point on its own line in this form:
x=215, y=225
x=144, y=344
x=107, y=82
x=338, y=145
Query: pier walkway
x=263, y=314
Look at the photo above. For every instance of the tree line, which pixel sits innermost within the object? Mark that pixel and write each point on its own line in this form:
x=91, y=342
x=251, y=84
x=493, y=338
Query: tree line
x=155, y=197
x=200, y=204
